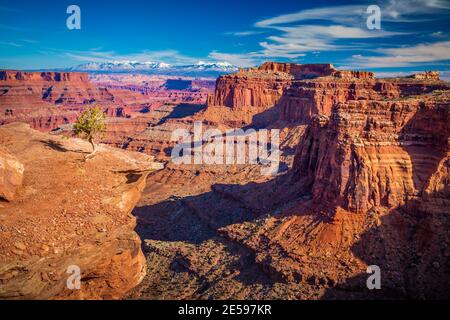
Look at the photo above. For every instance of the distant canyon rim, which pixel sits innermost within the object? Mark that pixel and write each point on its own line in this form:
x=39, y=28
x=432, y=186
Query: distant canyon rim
x=363, y=180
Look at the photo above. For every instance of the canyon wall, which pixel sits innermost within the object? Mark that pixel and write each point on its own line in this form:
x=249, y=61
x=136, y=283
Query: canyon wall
x=374, y=153
x=46, y=100
x=73, y=77
x=370, y=185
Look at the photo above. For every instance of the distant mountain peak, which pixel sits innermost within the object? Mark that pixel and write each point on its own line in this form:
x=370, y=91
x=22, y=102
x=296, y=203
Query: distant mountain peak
x=201, y=68
x=221, y=64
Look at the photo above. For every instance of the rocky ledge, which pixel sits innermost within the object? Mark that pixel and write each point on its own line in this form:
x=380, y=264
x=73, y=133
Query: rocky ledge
x=69, y=212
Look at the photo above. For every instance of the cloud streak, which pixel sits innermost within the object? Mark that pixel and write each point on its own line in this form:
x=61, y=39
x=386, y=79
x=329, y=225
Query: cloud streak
x=168, y=56
x=11, y=44
x=343, y=28
x=406, y=56
x=243, y=33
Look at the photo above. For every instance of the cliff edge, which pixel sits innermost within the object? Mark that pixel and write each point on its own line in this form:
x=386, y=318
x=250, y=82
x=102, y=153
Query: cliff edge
x=70, y=213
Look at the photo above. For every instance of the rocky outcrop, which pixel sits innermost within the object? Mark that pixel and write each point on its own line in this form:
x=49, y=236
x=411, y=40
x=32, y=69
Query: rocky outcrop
x=70, y=214
x=299, y=71
x=255, y=90
x=11, y=175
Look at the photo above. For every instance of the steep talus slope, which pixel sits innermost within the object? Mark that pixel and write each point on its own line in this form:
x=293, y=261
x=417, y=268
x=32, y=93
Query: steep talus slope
x=70, y=212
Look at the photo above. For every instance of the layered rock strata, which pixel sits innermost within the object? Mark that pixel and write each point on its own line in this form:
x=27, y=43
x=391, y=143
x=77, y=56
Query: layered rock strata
x=374, y=153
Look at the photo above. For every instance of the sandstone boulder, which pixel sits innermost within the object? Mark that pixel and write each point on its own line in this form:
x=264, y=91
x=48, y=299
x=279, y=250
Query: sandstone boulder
x=11, y=175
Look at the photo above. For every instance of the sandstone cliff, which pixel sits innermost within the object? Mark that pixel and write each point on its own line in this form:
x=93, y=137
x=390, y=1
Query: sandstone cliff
x=70, y=212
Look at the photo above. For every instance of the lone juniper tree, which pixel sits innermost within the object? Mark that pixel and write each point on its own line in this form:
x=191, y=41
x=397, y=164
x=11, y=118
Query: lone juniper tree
x=89, y=125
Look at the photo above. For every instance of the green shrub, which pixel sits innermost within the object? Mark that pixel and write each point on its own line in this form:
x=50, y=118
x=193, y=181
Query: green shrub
x=90, y=124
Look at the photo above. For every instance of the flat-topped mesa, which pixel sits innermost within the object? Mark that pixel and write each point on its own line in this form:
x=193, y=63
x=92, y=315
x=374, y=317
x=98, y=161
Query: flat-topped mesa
x=310, y=71
x=300, y=71
x=13, y=75
x=262, y=87
x=302, y=91
x=306, y=98
x=427, y=75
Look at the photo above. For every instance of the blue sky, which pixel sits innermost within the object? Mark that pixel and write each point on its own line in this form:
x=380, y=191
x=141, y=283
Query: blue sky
x=414, y=35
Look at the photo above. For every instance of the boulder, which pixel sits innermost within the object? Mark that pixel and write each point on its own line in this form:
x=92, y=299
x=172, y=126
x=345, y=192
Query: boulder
x=11, y=175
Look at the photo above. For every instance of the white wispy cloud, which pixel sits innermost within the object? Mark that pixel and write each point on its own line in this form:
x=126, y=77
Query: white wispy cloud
x=11, y=44
x=167, y=56
x=297, y=34
x=392, y=10
x=338, y=14
x=414, y=10
x=29, y=41
x=405, y=56
x=296, y=40
x=243, y=33
x=343, y=27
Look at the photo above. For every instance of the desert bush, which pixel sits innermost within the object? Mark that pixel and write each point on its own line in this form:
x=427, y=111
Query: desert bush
x=90, y=125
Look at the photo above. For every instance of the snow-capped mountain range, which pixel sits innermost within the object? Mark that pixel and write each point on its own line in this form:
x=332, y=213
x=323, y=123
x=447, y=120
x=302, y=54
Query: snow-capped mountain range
x=199, y=69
